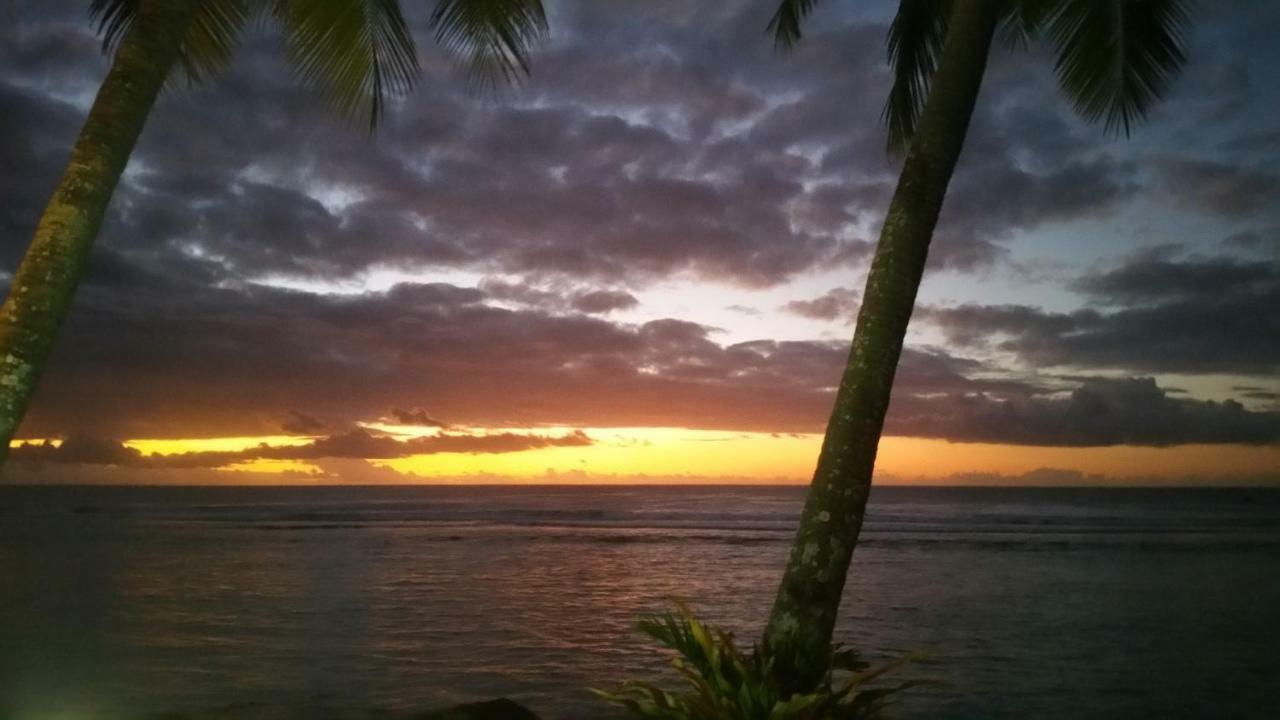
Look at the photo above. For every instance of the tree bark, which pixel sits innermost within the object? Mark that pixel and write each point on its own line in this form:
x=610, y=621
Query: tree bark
x=45, y=283
x=798, y=635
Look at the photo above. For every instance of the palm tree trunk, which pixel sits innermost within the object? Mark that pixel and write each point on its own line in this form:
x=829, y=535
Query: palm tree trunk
x=45, y=282
x=798, y=636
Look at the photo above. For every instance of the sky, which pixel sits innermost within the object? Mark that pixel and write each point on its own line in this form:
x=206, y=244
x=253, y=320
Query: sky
x=643, y=263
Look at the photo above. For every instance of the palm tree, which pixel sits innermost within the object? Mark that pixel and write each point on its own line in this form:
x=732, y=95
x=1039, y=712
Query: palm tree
x=356, y=52
x=1114, y=60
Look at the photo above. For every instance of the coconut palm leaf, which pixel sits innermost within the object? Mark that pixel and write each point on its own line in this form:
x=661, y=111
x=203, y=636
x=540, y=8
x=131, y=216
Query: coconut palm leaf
x=1023, y=21
x=1116, y=58
x=113, y=18
x=355, y=52
x=915, y=45
x=209, y=43
x=785, y=25
x=493, y=37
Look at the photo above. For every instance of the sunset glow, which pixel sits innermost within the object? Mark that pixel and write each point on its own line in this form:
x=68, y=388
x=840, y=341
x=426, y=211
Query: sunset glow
x=682, y=455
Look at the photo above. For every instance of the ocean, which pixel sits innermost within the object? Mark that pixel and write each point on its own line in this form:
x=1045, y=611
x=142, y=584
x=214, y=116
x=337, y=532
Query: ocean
x=1031, y=603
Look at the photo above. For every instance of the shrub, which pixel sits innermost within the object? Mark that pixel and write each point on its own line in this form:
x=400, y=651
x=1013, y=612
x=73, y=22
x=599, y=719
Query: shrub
x=726, y=683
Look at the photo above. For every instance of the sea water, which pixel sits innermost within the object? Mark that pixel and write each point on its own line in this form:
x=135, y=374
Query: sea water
x=1031, y=603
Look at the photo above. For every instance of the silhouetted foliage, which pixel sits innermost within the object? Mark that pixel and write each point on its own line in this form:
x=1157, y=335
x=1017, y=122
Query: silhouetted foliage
x=728, y=683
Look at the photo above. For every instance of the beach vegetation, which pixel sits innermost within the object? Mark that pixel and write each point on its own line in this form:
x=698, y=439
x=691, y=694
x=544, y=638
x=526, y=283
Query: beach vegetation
x=726, y=682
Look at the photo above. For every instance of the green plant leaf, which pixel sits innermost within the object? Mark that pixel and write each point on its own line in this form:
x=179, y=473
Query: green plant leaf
x=725, y=683
x=1117, y=58
x=492, y=37
x=357, y=53
x=915, y=44
x=785, y=25
x=208, y=42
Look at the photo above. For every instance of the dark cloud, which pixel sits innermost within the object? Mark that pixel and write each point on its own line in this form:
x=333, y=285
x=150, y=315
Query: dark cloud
x=1266, y=240
x=351, y=357
x=1065, y=477
x=1132, y=411
x=652, y=163
x=835, y=304
x=78, y=450
x=245, y=352
x=37, y=132
x=1155, y=276
x=1219, y=188
x=1253, y=392
x=993, y=197
x=416, y=416
x=604, y=301
x=296, y=423
x=1197, y=315
x=353, y=444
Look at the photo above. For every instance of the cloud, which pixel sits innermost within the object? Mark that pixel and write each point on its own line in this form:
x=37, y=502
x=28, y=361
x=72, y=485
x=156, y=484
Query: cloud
x=991, y=198
x=1221, y=189
x=835, y=304
x=1153, y=276
x=559, y=297
x=655, y=163
x=1254, y=392
x=78, y=450
x=1066, y=478
x=1197, y=315
x=1266, y=240
x=244, y=352
x=416, y=416
x=604, y=301
x=357, y=443
x=1100, y=412
x=296, y=423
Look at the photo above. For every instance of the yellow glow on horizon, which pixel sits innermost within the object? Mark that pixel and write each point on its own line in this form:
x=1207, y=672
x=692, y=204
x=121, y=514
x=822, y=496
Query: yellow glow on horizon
x=177, y=446
x=669, y=454
x=16, y=442
x=631, y=452
x=677, y=453
x=924, y=458
x=296, y=467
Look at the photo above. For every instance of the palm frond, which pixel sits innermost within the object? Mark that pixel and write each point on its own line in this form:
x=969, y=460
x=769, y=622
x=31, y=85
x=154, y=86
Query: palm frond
x=915, y=42
x=1117, y=58
x=212, y=38
x=493, y=37
x=113, y=18
x=207, y=46
x=785, y=25
x=356, y=52
x=724, y=681
x=1023, y=20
